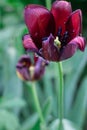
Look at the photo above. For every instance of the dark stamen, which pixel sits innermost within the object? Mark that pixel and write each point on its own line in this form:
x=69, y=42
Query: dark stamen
x=44, y=38
x=59, y=33
x=64, y=38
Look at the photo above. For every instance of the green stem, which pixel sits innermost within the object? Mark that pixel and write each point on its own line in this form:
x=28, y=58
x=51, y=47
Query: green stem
x=37, y=104
x=48, y=4
x=60, y=94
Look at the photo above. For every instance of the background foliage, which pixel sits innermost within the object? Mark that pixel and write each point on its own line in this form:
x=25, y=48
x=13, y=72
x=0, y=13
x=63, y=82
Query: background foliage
x=17, y=110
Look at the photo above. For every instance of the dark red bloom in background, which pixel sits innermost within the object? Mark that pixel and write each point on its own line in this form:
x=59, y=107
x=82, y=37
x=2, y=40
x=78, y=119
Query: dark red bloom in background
x=30, y=70
x=54, y=34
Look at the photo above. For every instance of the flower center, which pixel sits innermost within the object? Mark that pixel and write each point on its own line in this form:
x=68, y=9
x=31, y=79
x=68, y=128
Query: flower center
x=63, y=38
x=31, y=70
x=57, y=42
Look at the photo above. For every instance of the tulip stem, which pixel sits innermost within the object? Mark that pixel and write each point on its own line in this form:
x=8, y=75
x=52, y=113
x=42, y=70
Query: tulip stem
x=48, y=4
x=60, y=95
x=36, y=101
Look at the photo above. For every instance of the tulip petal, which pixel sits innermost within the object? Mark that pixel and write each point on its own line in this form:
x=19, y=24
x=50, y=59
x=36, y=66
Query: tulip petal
x=49, y=50
x=39, y=68
x=80, y=42
x=74, y=24
x=22, y=67
x=40, y=23
x=28, y=43
x=67, y=51
x=28, y=70
x=61, y=10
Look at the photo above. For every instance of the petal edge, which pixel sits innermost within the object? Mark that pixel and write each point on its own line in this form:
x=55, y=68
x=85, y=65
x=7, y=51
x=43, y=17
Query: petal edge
x=74, y=24
x=61, y=10
x=28, y=43
x=80, y=41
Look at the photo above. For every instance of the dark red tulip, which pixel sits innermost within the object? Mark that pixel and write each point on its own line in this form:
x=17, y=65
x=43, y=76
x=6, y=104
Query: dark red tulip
x=30, y=70
x=61, y=10
x=40, y=22
x=56, y=34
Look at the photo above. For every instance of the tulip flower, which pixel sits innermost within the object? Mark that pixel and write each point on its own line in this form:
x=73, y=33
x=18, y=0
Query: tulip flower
x=30, y=70
x=56, y=34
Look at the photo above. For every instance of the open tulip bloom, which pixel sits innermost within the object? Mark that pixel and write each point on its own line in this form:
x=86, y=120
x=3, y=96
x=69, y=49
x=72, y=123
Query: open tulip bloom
x=30, y=69
x=56, y=34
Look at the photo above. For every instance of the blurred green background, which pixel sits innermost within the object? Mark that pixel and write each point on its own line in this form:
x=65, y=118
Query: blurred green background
x=17, y=110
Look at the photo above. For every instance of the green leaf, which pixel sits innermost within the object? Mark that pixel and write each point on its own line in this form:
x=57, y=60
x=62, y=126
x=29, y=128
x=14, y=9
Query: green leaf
x=73, y=77
x=47, y=107
x=50, y=85
x=78, y=111
x=30, y=122
x=8, y=121
x=33, y=121
x=44, y=127
x=67, y=125
x=12, y=103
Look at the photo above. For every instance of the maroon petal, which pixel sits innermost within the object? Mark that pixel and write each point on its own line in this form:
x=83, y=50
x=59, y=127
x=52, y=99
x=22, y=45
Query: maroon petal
x=68, y=51
x=61, y=10
x=39, y=68
x=49, y=50
x=80, y=42
x=74, y=24
x=28, y=43
x=40, y=22
x=28, y=70
x=22, y=67
x=24, y=59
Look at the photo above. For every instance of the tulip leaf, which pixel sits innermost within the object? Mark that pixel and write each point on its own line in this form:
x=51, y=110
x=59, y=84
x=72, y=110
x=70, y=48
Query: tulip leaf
x=47, y=107
x=12, y=103
x=78, y=111
x=51, y=83
x=33, y=121
x=67, y=125
x=30, y=122
x=44, y=127
x=72, y=79
x=8, y=121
